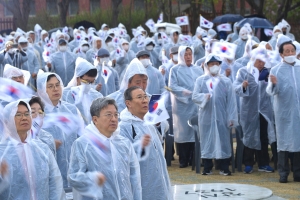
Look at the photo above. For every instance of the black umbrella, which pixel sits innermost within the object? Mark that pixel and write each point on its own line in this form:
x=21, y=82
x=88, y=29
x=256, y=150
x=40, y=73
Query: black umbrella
x=227, y=18
x=256, y=22
x=85, y=24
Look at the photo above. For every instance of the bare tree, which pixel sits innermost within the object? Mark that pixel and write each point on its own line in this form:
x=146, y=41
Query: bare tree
x=170, y=11
x=63, y=7
x=285, y=7
x=115, y=12
x=259, y=8
x=20, y=11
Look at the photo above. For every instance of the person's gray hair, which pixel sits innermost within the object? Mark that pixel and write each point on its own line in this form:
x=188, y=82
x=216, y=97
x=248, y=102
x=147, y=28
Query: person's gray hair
x=101, y=103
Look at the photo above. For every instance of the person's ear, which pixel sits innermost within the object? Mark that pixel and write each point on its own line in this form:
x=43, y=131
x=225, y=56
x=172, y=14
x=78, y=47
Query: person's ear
x=128, y=103
x=95, y=119
x=78, y=81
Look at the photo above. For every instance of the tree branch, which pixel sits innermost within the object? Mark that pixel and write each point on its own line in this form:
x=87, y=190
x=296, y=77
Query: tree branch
x=253, y=4
x=294, y=6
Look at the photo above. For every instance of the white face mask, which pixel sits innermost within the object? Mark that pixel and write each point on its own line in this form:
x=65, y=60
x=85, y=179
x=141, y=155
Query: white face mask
x=149, y=48
x=85, y=48
x=104, y=60
x=159, y=41
x=110, y=46
x=63, y=48
x=145, y=62
x=276, y=34
x=175, y=57
x=125, y=47
x=86, y=87
x=214, y=69
x=10, y=51
x=290, y=59
x=244, y=37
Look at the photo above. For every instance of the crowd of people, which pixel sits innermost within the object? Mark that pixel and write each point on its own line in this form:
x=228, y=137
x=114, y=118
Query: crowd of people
x=105, y=80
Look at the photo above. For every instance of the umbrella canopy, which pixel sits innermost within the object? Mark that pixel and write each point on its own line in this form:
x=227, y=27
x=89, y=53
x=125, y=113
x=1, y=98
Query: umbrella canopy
x=85, y=24
x=227, y=18
x=256, y=22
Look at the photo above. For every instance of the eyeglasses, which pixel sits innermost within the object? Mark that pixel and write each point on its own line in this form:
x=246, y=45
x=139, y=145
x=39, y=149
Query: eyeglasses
x=110, y=115
x=20, y=115
x=141, y=98
x=39, y=113
x=51, y=87
x=17, y=78
x=87, y=82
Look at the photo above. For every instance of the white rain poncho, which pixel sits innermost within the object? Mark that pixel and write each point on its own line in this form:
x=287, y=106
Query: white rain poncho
x=254, y=101
x=63, y=64
x=154, y=175
x=88, y=93
x=235, y=35
x=33, y=172
x=15, y=59
x=79, y=51
x=154, y=57
x=156, y=83
x=119, y=166
x=122, y=62
x=273, y=40
x=233, y=66
x=286, y=25
x=216, y=114
x=286, y=106
x=92, y=53
x=112, y=84
x=134, y=67
x=11, y=71
x=241, y=43
x=63, y=152
x=32, y=65
x=133, y=44
x=181, y=83
x=247, y=52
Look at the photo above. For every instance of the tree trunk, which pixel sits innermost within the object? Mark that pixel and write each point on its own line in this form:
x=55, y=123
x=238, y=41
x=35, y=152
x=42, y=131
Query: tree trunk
x=115, y=12
x=170, y=11
x=178, y=8
x=146, y=9
x=20, y=14
x=63, y=7
x=213, y=8
x=242, y=7
x=130, y=15
x=224, y=7
x=283, y=9
x=232, y=6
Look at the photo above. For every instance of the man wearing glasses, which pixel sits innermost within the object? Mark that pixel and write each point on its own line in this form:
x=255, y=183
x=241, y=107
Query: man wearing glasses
x=154, y=175
x=103, y=164
x=79, y=91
